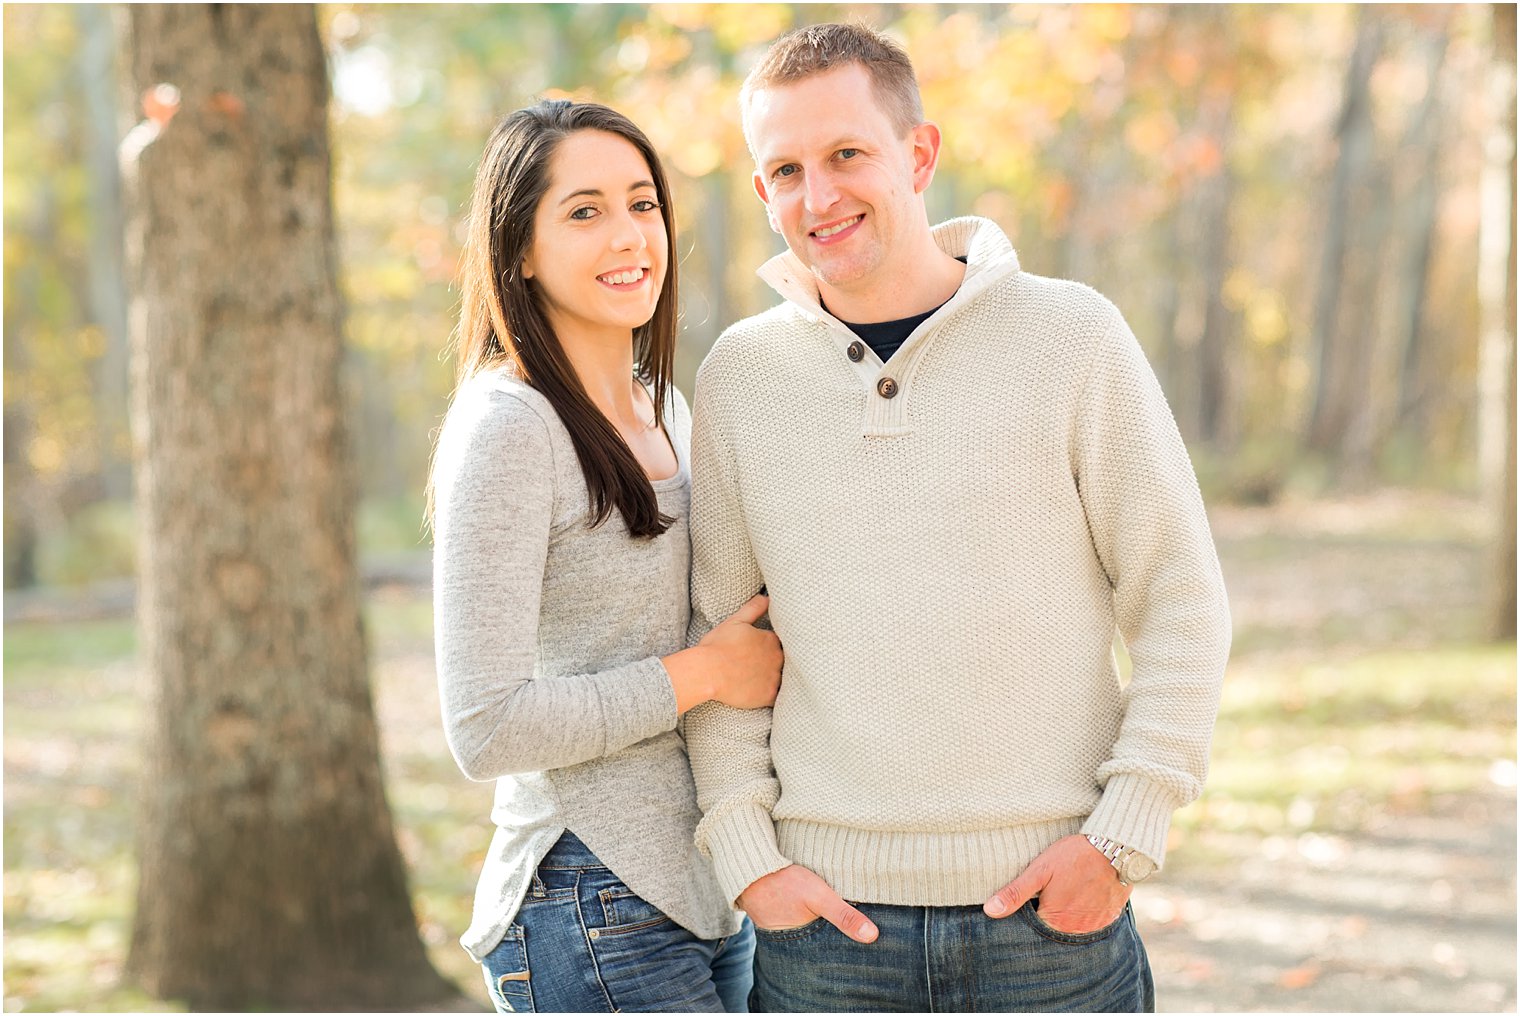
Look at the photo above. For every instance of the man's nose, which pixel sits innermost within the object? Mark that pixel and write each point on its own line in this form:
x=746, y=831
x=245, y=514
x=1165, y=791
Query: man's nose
x=820, y=192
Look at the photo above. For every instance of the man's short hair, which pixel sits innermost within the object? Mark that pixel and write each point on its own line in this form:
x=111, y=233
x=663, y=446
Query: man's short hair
x=814, y=49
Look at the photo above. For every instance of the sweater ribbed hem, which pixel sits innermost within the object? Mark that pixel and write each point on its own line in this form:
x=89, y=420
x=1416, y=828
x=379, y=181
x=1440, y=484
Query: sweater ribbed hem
x=742, y=845
x=1136, y=812
x=918, y=869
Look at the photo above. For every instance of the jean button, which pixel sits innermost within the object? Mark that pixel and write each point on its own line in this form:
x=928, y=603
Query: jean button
x=595, y=933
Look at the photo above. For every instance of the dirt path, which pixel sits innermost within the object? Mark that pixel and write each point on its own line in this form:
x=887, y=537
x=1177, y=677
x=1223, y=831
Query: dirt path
x=1408, y=909
x=1387, y=884
x=1416, y=916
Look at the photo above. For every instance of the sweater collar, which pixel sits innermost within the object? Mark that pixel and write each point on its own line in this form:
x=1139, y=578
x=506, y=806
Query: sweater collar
x=989, y=257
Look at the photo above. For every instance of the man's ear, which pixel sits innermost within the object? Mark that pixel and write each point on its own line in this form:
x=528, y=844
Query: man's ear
x=759, y=183
x=925, y=139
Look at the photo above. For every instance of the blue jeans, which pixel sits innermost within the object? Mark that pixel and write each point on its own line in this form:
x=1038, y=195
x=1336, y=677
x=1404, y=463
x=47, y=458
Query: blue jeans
x=952, y=959
x=584, y=942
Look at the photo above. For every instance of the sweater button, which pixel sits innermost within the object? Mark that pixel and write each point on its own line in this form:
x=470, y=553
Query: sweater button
x=856, y=352
x=886, y=388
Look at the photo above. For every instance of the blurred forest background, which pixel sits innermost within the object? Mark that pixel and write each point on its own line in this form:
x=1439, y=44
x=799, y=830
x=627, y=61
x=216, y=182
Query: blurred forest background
x=1306, y=212
x=1287, y=202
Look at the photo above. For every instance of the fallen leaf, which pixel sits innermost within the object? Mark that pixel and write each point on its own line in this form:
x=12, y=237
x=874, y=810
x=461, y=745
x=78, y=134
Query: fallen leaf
x=1299, y=977
x=1198, y=970
x=1354, y=926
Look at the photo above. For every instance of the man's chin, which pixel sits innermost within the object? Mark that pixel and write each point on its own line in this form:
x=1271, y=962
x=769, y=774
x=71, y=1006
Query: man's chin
x=826, y=265
x=838, y=277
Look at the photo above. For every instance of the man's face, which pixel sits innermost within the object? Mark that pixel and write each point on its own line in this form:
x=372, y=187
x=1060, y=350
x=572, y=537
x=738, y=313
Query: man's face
x=839, y=181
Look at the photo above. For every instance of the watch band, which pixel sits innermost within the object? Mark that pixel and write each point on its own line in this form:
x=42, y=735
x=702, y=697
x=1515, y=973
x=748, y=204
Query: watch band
x=1116, y=852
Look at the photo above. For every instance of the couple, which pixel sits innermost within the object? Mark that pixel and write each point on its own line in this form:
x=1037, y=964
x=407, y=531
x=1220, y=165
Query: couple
x=954, y=480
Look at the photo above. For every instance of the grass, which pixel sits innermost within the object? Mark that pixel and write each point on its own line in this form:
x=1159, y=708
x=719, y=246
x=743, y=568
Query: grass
x=1352, y=694
x=73, y=710
x=1323, y=746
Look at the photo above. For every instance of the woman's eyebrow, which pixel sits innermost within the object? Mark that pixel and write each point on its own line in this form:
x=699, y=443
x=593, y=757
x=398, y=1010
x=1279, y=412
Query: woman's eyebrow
x=592, y=192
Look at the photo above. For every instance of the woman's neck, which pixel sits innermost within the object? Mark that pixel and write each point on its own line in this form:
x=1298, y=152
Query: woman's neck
x=604, y=364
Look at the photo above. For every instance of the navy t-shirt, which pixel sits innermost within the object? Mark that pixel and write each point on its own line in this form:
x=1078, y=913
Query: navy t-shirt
x=886, y=337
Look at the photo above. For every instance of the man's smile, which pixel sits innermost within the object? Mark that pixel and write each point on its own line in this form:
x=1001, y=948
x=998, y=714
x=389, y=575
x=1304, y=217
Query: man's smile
x=837, y=230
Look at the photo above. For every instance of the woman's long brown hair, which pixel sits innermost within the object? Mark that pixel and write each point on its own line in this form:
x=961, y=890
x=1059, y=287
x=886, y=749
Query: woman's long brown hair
x=502, y=321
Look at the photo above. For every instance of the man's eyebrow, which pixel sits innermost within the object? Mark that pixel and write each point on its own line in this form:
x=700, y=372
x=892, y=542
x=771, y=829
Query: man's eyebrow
x=592, y=192
x=843, y=141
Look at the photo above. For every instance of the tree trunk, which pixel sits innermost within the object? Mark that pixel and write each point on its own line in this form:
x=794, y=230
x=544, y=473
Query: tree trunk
x=380, y=471
x=1496, y=300
x=1330, y=416
x=1216, y=197
x=714, y=247
x=1078, y=254
x=15, y=435
x=269, y=875
x=107, y=260
x=1170, y=356
x=1362, y=392
x=1418, y=213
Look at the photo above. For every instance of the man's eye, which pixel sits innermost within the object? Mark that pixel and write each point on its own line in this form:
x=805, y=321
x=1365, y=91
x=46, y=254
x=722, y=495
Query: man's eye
x=848, y=153
x=645, y=205
x=788, y=170
x=583, y=213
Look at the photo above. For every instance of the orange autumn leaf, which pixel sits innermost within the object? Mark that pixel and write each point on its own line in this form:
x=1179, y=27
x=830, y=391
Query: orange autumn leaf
x=1299, y=978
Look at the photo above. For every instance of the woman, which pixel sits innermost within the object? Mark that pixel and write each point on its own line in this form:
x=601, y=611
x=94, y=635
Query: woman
x=560, y=493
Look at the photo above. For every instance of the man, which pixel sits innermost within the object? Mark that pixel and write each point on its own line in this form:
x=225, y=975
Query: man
x=955, y=479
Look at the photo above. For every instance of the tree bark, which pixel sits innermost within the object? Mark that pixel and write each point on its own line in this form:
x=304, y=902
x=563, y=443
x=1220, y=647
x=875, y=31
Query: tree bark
x=714, y=239
x=1216, y=198
x=107, y=260
x=15, y=435
x=269, y=875
x=1496, y=301
x=1418, y=213
x=1330, y=416
x=1170, y=361
x=1362, y=391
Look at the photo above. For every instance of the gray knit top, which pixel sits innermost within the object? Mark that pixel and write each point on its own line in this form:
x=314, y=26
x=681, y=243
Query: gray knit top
x=549, y=636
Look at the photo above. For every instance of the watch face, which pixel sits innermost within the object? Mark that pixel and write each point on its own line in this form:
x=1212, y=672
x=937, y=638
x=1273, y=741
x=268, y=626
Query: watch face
x=1137, y=868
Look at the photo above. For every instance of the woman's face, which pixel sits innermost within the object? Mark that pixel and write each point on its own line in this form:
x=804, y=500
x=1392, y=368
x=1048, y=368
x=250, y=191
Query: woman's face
x=599, y=246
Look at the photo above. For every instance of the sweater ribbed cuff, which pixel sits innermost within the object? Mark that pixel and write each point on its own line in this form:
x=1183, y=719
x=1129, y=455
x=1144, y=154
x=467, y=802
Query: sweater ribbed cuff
x=742, y=845
x=1136, y=812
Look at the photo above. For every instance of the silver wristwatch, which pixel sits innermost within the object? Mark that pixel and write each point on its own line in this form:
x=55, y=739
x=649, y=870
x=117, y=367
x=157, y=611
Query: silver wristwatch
x=1131, y=865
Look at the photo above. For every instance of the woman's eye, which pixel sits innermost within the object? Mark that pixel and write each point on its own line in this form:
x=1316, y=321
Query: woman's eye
x=645, y=205
x=583, y=213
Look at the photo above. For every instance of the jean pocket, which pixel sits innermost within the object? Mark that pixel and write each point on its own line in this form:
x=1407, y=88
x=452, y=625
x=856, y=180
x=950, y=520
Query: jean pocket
x=551, y=887
x=506, y=972
x=1030, y=912
x=787, y=934
x=624, y=911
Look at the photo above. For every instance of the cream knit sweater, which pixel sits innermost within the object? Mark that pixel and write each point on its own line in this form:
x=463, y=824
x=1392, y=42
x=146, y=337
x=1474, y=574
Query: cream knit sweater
x=947, y=567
